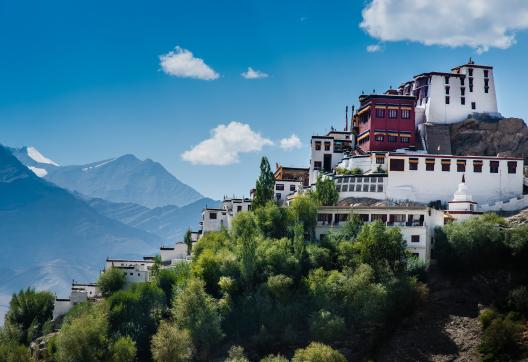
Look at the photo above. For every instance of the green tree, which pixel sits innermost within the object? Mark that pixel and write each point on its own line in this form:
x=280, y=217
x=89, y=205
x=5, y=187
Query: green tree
x=274, y=358
x=123, y=349
x=196, y=311
x=272, y=220
x=382, y=248
x=304, y=211
x=11, y=351
x=173, y=278
x=325, y=191
x=244, y=231
x=501, y=339
x=28, y=312
x=136, y=313
x=318, y=352
x=327, y=327
x=111, y=281
x=265, y=185
x=236, y=354
x=187, y=239
x=84, y=338
x=171, y=344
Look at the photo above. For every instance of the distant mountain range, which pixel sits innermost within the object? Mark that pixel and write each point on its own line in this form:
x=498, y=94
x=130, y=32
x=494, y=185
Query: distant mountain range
x=122, y=179
x=44, y=227
x=59, y=223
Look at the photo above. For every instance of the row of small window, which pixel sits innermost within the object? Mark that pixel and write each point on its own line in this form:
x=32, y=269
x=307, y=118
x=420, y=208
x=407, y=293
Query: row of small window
x=381, y=138
x=393, y=113
x=280, y=187
x=470, y=75
x=360, y=188
x=345, y=180
x=462, y=101
x=327, y=145
x=399, y=165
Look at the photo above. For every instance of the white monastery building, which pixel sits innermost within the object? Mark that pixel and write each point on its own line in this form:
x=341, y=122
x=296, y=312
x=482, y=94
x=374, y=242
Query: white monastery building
x=215, y=219
x=451, y=97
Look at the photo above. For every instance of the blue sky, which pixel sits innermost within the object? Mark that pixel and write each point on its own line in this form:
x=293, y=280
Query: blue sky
x=82, y=81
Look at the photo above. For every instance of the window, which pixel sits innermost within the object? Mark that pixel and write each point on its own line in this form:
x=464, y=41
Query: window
x=473, y=105
x=338, y=188
x=429, y=164
x=344, y=188
x=462, y=91
x=486, y=73
x=327, y=146
x=447, y=90
x=416, y=255
x=317, y=165
x=462, y=81
x=471, y=88
x=278, y=196
x=393, y=113
x=212, y=216
x=380, y=188
x=494, y=166
x=463, y=101
x=447, y=99
x=365, y=188
x=405, y=114
x=470, y=72
x=477, y=166
x=446, y=165
x=340, y=180
x=461, y=165
x=358, y=188
x=512, y=166
x=486, y=89
x=380, y=160
x=405, y=139
x=239, y=208
x=318, y=145
x=372, y=188
x=415, y=238
x=486, y=82
x=446, y=79
x=413, y=164
x=379, y=137
x=279, y=187
x=393, y=139
x=380, y=113
x=397, y=164
x=292, y=187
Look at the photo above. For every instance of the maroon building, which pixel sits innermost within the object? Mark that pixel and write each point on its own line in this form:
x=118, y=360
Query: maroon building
x=385, y=122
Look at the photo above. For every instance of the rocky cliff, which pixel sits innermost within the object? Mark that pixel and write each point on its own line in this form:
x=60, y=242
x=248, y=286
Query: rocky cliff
x=489, y=137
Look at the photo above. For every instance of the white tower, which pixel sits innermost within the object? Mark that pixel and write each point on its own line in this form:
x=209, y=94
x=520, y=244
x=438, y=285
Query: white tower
x=462, y=206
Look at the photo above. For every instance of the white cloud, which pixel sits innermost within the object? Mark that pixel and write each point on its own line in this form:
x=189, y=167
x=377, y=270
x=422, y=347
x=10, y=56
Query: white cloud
x=479, y=24
x=251, y=73
x=374, y=48
x=290, y=143
x=225, y=145
x=182, y=63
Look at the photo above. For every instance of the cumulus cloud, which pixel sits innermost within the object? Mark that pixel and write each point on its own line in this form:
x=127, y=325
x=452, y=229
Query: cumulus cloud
x=251, y=73
x=475, y=23
x=374, y=48
x=182, y=63
x=290, y=143
x=225, y=145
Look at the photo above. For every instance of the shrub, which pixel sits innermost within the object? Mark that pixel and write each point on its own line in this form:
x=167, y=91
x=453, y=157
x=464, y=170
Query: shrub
x=486, y=316
x=417, y=268
x=171, y=344
x=123, y=350
x=274, y=358
x=318, y=352
x=173, y=278
x=501, y=339
x=518, y=300
x=14, y=352
x=326, y=327
x=280, y=286
x=236, y=354
x=111, y=281
x=272, y=220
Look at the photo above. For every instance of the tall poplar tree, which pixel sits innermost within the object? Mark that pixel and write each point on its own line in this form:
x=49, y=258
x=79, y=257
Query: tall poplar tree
x=265, y=184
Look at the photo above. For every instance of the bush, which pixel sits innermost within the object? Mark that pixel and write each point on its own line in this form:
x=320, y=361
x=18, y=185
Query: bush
x=236, y=354
x=14, y=352
x=28, y=312
x=417, y=268
x=272, y=220
x=280, y=286
x=171, y=344
x=518, y=300
x=123, y=350
x=501, y=339
x=318, y=352
x=111, y=281
x=274, y=358
x=173, y=278
x=486, y=316
x=84, y=338
x=326, y=327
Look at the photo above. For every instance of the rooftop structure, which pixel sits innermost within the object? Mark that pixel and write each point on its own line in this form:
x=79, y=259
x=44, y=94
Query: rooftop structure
x=327, y=151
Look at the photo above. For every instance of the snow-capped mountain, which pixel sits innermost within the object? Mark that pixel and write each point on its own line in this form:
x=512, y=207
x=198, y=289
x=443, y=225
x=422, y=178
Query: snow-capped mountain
x=34, y=160
x=44, y=227
x=124, y=179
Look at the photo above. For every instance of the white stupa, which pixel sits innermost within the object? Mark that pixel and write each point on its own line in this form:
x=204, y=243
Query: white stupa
x=462, y=206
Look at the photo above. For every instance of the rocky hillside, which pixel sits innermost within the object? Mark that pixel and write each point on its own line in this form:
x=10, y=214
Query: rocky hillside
x=489, y=137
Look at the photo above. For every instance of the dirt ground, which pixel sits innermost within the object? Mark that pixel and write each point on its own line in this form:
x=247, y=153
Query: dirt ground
x=446, y=328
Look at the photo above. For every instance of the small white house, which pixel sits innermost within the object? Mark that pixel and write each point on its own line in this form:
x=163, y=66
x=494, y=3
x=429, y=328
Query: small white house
x=416, y=222
x=215, y=219
x=327, y=151
x=80, y=292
